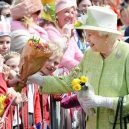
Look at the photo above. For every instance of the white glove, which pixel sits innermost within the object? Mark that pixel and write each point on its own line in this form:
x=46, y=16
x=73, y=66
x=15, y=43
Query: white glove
x=88, y=100
x=36, y=78
x=67, y=30
x=97, y=101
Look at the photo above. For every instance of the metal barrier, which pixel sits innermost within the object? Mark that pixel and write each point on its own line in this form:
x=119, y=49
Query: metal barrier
x=55, y=120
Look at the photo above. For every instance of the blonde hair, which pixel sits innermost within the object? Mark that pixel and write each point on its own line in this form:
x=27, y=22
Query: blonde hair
x=10, y=55
x=57, y=46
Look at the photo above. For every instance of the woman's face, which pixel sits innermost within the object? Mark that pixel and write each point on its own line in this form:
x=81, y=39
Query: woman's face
x=65, y=16
x=124, y=17
x=4, y=44
x=95, y=41
x=51, y=65
x=6, y=12
x=83, y=5
x=13, y=63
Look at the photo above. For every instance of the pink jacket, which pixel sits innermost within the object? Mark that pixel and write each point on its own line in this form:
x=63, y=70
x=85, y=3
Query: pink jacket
x=33, y=29
x=72, y=55
x=20, y=35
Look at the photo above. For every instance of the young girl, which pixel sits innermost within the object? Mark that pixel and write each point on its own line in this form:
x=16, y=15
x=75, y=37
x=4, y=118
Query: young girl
x=32, y=108
x=4, y=90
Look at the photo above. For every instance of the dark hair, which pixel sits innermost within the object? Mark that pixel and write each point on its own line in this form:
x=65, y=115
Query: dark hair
x=124, y=4
x=8, y=1
x=79, y=1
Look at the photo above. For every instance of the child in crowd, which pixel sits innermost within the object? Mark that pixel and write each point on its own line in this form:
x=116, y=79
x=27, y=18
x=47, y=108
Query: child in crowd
x=5, y=90
x=5, y=38
x=5, y=10
x=48, y=69
x=32, y=108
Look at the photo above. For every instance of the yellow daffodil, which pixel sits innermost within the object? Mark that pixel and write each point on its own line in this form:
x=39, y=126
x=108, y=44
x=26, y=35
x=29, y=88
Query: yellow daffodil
x=77, y=24
x=76, y=81
x=76, y=87
x=84, y=79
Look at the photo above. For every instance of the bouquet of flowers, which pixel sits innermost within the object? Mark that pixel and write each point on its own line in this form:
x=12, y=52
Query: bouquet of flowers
x=84, y=89
x=33, y=57
x=5, y=103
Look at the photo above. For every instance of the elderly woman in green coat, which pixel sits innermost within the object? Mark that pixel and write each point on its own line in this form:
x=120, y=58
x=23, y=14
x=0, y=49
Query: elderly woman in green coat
x=106, y=64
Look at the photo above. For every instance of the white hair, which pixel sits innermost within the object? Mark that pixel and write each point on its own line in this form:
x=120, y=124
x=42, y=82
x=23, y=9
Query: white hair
x=111, y=37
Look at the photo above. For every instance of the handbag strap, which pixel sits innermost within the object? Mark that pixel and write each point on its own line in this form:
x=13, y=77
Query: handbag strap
x=116, y=115
x=119, y=110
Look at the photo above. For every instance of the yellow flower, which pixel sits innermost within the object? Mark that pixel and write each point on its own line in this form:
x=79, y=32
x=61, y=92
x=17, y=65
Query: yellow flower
x=2, y=98
x=76, y=87
x=76, y=81
x=84, y=79
x=77, y=24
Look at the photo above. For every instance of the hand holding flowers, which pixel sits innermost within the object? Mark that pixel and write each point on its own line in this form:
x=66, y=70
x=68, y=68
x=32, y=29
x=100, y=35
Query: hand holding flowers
x=87, y=98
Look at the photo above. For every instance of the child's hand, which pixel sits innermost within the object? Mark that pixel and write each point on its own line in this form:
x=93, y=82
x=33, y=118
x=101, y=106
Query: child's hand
x=19, y=98
x=6, y=71
x=15, y=81
x=1, y=123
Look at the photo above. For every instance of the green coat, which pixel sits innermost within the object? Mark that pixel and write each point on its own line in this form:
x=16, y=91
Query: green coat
x=109, y=77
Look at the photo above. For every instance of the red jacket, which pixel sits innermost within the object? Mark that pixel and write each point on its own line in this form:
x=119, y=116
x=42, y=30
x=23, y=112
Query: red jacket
x=45, y=106
x=3, y=90
x=37, y=108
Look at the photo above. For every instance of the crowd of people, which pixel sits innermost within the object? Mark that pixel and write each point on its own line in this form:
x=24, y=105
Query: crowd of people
x=90, y=38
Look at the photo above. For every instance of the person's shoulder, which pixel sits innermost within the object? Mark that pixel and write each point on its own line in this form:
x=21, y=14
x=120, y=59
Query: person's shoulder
x=123, y=43
x=123, y=46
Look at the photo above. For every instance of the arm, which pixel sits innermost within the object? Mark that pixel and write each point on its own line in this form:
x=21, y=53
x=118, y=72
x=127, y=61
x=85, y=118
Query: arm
x=126, y=97
x=52, y=84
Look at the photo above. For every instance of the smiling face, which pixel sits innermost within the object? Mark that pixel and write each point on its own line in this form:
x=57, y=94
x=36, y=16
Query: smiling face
x=124, y=17
x=67, y=15
x=13, y=63
x=51, y=65
x=96, y=42
x=83, y=5
x=4, y=44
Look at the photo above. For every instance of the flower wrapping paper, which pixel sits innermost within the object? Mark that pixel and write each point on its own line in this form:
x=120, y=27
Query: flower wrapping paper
x=33, y=57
